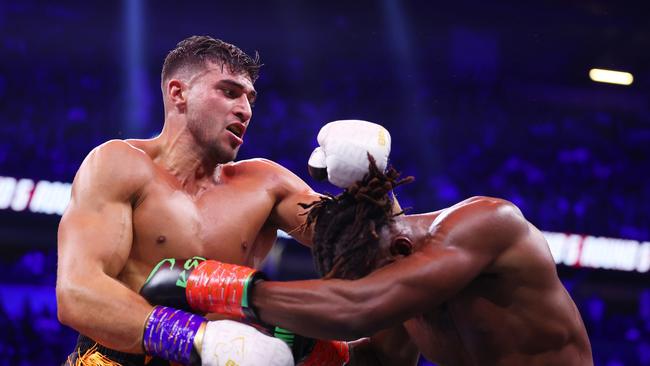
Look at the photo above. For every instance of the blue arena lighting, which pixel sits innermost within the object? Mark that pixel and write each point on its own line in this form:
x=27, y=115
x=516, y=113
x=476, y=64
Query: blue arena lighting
x=137, y=97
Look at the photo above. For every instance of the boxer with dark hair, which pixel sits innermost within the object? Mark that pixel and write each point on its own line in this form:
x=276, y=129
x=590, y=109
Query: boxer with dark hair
x=472, y=284
x=135, y=202
x=195, y=51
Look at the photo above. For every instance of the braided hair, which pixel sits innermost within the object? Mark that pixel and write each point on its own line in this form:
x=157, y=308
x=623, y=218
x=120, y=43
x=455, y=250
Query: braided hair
x=346, y=239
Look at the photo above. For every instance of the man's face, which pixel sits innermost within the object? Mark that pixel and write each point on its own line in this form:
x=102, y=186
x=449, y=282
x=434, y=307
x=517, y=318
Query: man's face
x=218, y=107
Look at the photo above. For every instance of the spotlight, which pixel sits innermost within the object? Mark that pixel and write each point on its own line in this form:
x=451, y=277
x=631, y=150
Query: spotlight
x=610, y=76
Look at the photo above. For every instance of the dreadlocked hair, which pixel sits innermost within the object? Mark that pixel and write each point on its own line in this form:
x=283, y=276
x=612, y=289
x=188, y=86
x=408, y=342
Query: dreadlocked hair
x=346, y=239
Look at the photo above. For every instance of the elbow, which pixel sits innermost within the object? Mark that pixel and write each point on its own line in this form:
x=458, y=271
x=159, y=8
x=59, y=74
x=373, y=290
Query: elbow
x=63, y=305
x=66, y=305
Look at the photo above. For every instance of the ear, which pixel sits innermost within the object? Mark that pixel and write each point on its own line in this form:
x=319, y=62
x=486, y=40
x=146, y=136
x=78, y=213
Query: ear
x=401, y=246
x=176, y=93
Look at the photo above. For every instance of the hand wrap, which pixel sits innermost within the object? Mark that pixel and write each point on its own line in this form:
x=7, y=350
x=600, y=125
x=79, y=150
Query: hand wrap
x=170, y=333
x=216, y=287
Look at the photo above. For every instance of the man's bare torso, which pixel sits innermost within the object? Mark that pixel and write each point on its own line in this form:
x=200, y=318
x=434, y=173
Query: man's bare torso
x=227, y=220
x=515, y=313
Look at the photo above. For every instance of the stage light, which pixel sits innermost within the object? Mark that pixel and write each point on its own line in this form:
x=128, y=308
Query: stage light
x=611, y=77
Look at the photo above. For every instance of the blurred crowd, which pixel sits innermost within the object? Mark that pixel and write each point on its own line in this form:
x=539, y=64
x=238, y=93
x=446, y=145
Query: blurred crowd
x=569, y=168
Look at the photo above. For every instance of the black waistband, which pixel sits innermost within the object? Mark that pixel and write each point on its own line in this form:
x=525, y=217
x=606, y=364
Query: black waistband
x=125, y=359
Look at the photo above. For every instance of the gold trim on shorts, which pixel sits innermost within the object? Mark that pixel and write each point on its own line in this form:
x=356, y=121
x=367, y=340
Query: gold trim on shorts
x=91, y=357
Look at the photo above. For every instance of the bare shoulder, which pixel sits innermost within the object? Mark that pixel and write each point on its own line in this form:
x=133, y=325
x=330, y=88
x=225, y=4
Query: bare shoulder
x=486, y=210
x=114, y=166
x=261, y=166
x=273, y=173
x=485, y=222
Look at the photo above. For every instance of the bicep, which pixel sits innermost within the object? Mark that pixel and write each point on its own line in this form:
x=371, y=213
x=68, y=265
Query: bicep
x=95, y=236
x=96, y=230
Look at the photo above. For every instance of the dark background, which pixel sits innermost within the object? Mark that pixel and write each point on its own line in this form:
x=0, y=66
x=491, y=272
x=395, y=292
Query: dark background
x=481, y=98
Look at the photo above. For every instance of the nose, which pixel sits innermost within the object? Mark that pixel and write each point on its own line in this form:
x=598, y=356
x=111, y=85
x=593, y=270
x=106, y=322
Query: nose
x=243, y=109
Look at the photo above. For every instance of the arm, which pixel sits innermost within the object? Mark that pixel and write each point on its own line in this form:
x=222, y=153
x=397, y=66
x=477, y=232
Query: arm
x=342, y=157
x=462, y=243
x=287, y=215
x=94, y=241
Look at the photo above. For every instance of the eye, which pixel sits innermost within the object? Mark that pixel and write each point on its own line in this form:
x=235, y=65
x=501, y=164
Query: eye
x=228, y=92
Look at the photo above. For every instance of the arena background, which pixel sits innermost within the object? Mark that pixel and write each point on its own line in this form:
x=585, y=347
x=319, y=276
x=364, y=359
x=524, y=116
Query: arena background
x=482, y=98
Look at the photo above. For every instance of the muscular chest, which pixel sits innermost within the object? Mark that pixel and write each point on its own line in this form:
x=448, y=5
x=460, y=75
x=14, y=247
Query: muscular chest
x=470, y=329
x=227, y=222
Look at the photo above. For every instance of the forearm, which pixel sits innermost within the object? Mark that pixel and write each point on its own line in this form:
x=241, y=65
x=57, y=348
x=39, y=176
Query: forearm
x=103, y=309
x=319, y=309
x=344, y=309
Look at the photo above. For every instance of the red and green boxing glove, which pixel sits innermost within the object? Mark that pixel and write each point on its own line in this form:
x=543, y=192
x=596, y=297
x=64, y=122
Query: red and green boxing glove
x=204, y=286
x=209, y=286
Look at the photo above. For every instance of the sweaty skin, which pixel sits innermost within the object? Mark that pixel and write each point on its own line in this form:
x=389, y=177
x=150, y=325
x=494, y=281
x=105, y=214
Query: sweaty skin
x=479, y=288
x=136, y=202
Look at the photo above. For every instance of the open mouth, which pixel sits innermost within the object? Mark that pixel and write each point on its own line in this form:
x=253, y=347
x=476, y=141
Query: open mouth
x=237, y=129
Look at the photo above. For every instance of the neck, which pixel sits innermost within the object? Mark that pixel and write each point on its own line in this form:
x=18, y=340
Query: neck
x=183, y=157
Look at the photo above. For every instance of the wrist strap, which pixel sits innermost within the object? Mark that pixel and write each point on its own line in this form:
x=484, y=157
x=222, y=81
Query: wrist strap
x=169, y=334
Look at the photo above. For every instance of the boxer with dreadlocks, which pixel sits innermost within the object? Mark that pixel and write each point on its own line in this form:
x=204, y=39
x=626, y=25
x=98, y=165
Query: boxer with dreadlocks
x=346, y=226
x=472, y=284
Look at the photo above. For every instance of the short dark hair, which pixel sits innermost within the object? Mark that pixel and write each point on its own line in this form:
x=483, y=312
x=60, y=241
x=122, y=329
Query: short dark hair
x=196, y=50
x=346, y=239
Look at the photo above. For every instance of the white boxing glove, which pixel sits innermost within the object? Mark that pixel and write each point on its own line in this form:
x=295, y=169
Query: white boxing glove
x=228, y=343
x=342, y=154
